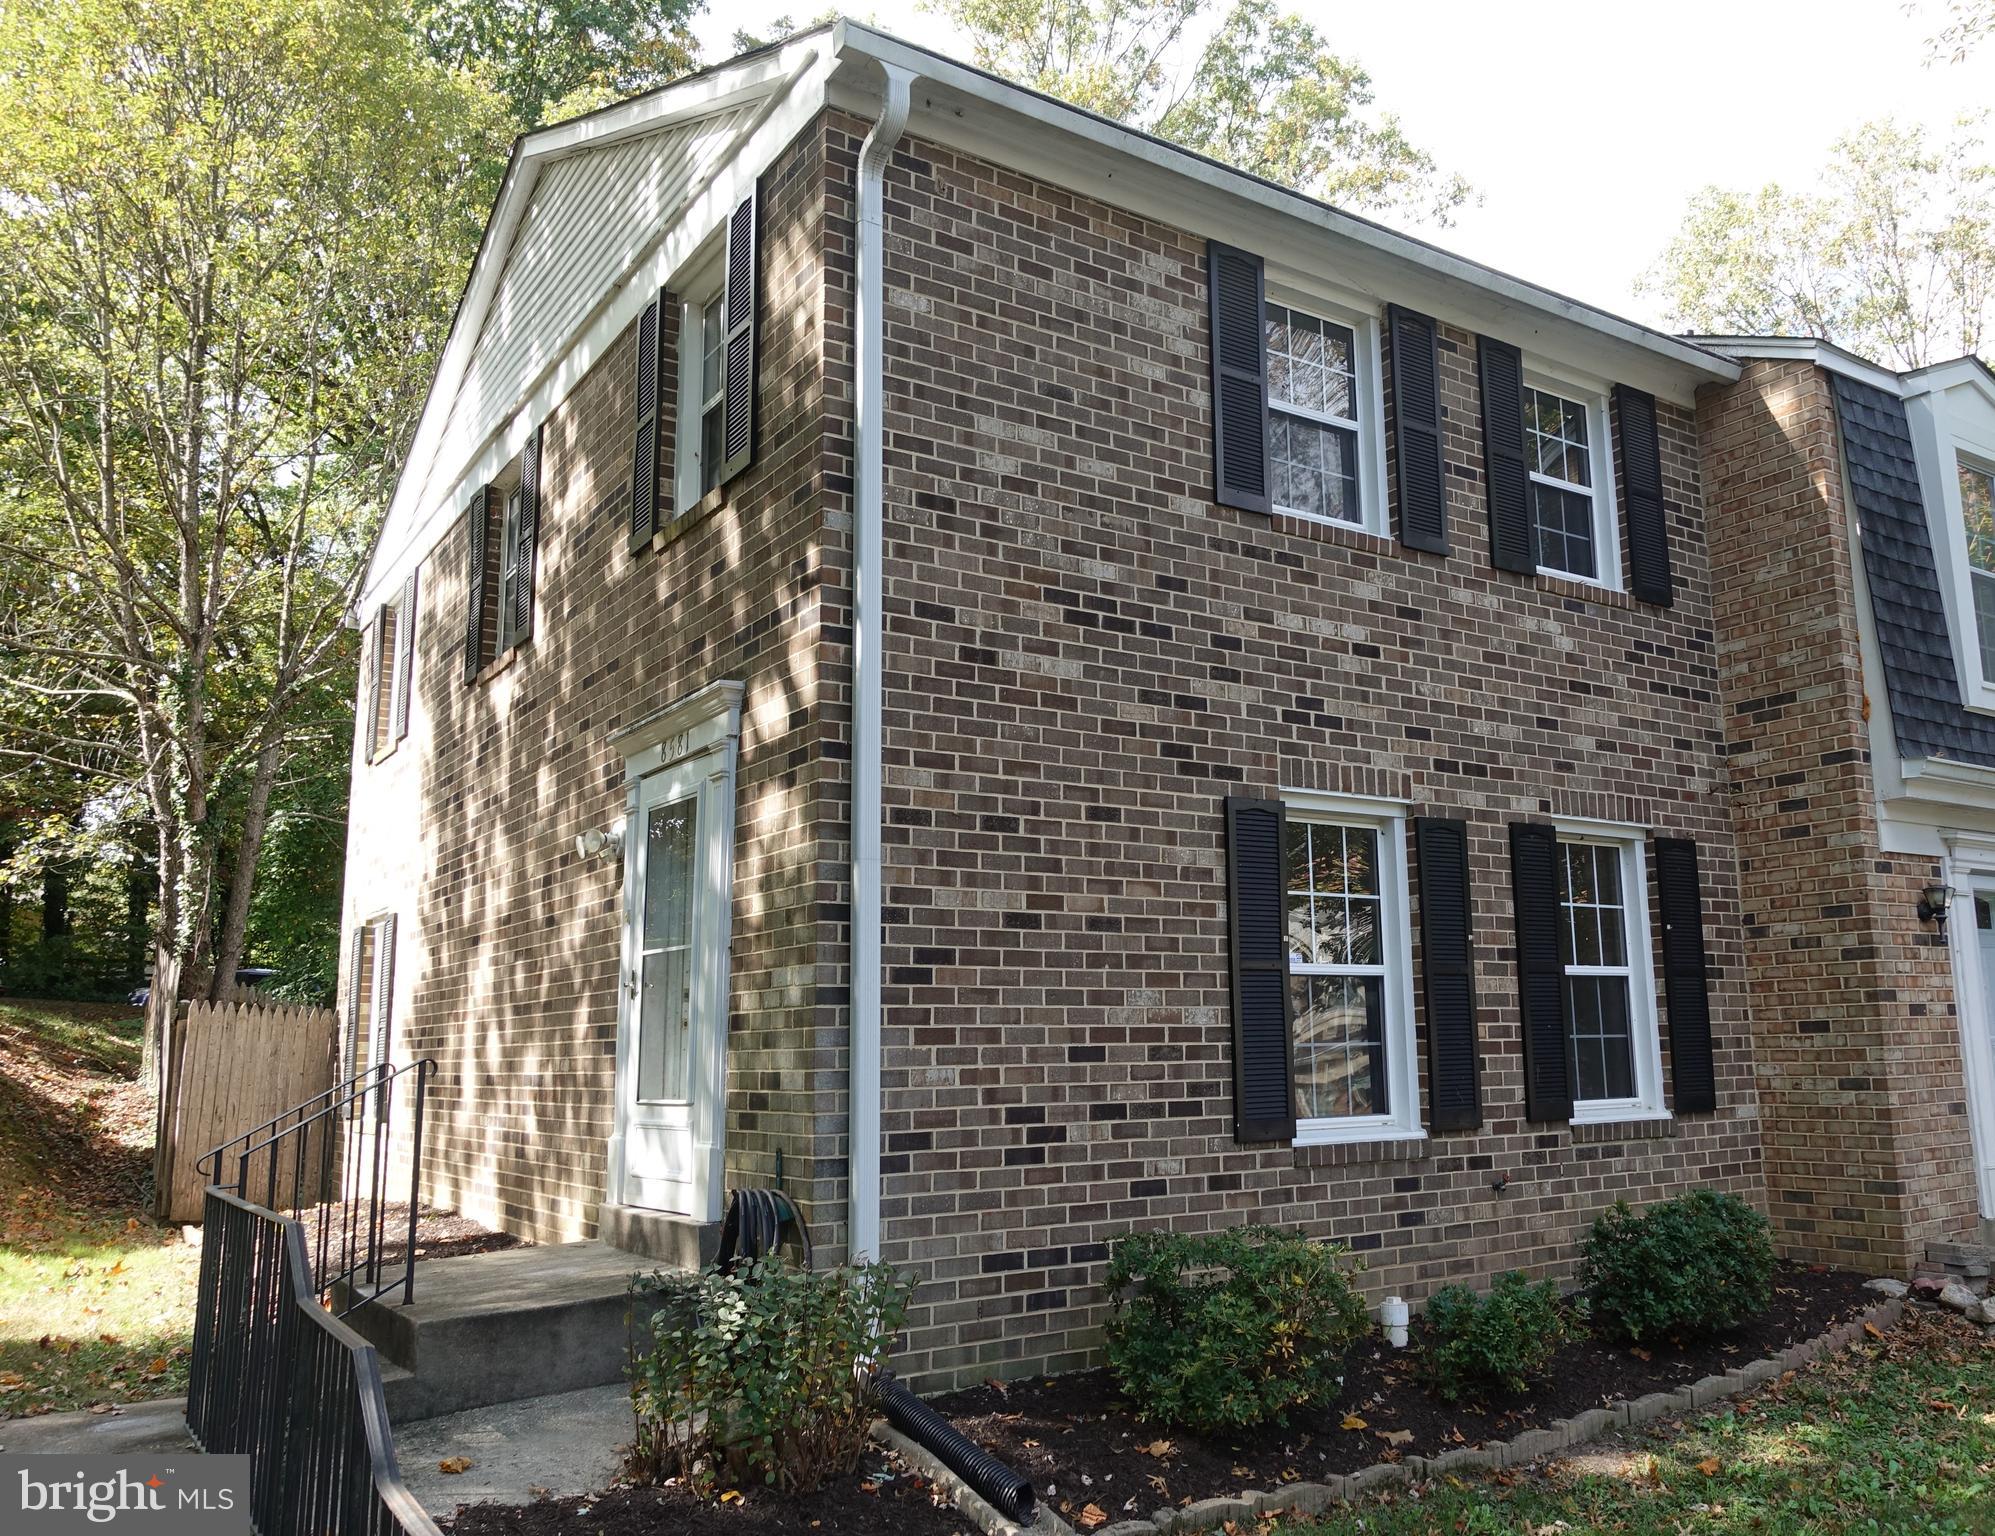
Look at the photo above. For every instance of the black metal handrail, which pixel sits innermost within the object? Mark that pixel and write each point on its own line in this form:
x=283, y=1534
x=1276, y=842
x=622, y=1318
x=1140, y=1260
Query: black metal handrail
x=275, y=1377
x=327, y=1162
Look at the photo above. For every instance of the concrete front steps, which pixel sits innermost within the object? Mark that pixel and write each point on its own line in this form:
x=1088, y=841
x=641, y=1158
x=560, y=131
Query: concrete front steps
x=499, y=1327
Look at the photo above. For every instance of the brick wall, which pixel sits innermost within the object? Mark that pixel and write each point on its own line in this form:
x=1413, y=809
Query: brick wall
x=1857, y=1044
x=1086, y=656
x=507, y=971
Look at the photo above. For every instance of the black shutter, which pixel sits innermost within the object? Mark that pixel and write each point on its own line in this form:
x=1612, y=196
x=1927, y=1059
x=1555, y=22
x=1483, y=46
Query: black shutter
x=370, y=682
x=1513, y=533
x=744, y=238
x=1416, y=430
x=1534, y=890
x=1447, y=965
x=475, y=518
x=1236, y=285
x=1263, y=1096
x=1641, y=474
x=405, y=657
x=529, y=538
x=1686, y=987
x=644, y=454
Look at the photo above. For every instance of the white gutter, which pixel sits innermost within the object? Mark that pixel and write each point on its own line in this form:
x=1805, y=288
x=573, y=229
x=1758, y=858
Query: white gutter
x=868, y=663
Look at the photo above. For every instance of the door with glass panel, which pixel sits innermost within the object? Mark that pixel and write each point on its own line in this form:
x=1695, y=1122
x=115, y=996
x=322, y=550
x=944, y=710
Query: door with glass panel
x=662, y=1043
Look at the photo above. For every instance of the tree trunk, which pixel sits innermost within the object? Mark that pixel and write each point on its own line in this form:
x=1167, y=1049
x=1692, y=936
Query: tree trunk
x=55, y=899
x=242, y=879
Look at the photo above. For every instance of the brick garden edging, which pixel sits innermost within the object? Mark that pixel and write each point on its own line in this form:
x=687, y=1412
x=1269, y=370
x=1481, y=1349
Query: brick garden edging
x=1314, y=1497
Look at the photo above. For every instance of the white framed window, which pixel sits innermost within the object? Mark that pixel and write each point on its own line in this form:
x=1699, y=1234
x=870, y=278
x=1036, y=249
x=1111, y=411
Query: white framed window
x=1350, y=964
x=1325, y=407
x=1613, y=1051
x=1568, y=454
x=509, y=564
x=702, y=417
x=1977, y=524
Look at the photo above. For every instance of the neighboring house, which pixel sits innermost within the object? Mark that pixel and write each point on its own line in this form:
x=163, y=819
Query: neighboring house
x=1855, y=575
x=1131, y=698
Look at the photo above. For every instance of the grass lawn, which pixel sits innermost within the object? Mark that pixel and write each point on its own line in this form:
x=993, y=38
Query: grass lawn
x=1895, y=1439
x=96, y=1301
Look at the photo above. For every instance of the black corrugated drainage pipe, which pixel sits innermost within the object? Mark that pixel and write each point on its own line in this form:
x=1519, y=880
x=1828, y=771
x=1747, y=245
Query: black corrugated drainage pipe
x=1008, y=1493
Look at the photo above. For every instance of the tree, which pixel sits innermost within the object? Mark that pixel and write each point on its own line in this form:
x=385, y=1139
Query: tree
x=1970, y=23
x=1253, y=86
x=231, y=237
x=552, y=59
x=1893, y=256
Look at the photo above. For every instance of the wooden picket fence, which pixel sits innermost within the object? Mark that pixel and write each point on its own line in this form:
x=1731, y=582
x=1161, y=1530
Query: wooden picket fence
x=228, y=1067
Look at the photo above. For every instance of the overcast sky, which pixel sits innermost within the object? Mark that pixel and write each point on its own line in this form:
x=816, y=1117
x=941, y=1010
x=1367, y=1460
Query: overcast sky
x=1587, y=127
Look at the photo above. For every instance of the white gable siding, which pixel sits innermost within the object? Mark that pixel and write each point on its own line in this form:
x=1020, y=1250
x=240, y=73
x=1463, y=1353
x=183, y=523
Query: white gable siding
x=590, y=213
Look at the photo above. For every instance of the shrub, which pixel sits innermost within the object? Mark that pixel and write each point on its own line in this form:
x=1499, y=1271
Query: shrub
x=1229, y=1329
x=1475, y=1347
x=765, y=1373
x=1683, y=1269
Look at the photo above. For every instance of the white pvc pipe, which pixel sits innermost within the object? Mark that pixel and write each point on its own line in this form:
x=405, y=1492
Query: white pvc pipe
x=868, y=662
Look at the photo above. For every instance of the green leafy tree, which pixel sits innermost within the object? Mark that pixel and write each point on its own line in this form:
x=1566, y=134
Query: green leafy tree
x=231, y=236
x=1892, y=256
x=1969, y=24
x=553, y=59
x=1257, y=87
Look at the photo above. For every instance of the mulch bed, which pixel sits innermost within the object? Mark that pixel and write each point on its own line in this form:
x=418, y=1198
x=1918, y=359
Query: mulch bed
x=883, y=1496
x=440, y=1234
x=1081, y=1444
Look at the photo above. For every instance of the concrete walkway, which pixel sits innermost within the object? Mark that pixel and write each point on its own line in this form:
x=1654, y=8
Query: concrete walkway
x=562, y=1445
x=137, y=1429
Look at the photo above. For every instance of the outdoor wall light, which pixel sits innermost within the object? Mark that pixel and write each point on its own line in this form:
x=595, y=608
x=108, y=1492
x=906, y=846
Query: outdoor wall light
x=600, y=843
x=1935, y=901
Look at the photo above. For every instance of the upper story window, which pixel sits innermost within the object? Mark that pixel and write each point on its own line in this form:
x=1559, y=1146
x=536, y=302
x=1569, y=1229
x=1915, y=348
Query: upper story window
x=1977, y=516
x=1563, y=438
x=1313, y=403
x=713, y=390
x=1614, y=1056
x=502, y=523
x=390, y=658
x=1350, y=959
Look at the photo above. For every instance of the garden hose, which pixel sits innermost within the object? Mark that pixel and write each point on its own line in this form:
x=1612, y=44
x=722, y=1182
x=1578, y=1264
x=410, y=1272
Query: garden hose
x=754, y=1226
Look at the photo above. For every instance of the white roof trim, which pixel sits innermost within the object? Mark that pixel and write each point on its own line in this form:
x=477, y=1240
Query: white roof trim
x=424, y=495
x=971, y=109
x=1935, y=378
x=949, y=93
x=1806, y=349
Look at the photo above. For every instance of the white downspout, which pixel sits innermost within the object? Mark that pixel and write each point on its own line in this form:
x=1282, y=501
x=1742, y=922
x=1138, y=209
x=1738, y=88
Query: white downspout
x=868, y=663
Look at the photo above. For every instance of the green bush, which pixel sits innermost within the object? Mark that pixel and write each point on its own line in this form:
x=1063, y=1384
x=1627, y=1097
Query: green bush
x=1476, y=1347
x=1684, y=1269
x=1230, y=1329
x=762, y=1374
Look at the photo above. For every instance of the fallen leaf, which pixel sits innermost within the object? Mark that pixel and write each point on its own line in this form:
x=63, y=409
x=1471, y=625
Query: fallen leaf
x=1709, y=1466
x=454, y=1464
x=1873, y=1330
x=1157, y=1448
x=1642, y=1355
x=733, y=1495
x=1352, y=1421
x=1092, y=1516
x=1395, y=1436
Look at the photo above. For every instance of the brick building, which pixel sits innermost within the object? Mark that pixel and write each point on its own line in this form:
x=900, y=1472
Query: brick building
x=1021, y=684
x=1858, y=658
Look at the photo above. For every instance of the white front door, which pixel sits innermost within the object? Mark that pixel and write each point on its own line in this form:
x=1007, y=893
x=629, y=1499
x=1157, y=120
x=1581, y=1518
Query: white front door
x=674, y=990
x=1978, y=1039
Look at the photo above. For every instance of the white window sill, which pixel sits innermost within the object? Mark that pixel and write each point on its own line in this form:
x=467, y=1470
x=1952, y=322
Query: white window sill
x=1595, y=582
x=1617, y=1113
x=1342, y=1133
x=1317, y=519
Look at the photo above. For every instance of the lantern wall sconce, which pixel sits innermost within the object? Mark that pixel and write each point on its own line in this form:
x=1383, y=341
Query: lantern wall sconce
x=1935, y=901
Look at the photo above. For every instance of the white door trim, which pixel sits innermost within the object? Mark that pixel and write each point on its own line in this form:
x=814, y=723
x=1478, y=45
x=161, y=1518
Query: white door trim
x=695, y=743
x=1970, y=864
